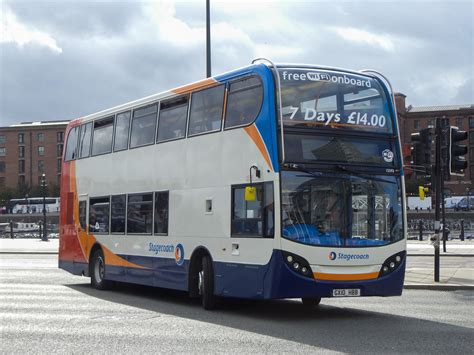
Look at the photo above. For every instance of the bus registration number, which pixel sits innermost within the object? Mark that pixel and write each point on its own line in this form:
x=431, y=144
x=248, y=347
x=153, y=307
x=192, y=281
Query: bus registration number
x=346, y=292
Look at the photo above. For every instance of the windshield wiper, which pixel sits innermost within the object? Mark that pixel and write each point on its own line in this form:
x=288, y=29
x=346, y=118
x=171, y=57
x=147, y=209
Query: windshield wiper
x=359, y=174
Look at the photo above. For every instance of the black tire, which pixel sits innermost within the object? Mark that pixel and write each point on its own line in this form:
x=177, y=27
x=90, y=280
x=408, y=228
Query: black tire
x=206, y=284
x=311, y=302
x=97, y=271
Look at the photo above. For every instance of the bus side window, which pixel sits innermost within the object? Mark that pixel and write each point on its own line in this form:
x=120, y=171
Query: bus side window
x=82, y=214
x=122, y=127
x=161, y=212
x=85, y=140
x=143, y=126
x=102, y=136
x=172, y=119
x=71, y=145
x=206, y=110
x=99, y=208
x=118, y=209
x=244, y=101
x=247, y=218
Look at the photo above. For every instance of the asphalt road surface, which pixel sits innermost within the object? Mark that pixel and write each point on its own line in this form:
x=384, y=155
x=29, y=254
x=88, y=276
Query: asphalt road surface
x=46, y=310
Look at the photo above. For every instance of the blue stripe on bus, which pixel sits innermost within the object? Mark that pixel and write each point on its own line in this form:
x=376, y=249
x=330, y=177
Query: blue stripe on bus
x=271, y=281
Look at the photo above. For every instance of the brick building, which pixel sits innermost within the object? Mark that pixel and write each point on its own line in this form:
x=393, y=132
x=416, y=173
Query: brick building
x=29, y=149
x=413, y=119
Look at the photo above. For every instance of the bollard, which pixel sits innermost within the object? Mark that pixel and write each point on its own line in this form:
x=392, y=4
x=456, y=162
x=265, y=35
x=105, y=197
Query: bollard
x=11, y=229
x=461, y=236
x=420, y=237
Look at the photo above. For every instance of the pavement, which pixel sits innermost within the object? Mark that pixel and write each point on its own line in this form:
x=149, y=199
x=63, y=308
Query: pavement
x=457, y=276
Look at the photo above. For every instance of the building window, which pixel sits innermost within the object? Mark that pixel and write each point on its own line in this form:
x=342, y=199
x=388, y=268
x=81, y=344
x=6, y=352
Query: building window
x=471, y=122
x=243, y=102
x=253, y=217
x=59, y=161
x=21, y=151
x=172, y=120
x=21, y=180
x=60, y=137
x=40, y=166
x=118, y=209
x=58, y=180
x=161, y=212
x=416, y=124
x=21, y=166
x=2, y=166
x=40, y=137
x=3, y=138
x=59, y=150
x=459, y=121
x=21, y=138
x=431, y=122
x=3, y=152
x=40, y=181
x=40, y=150
x=206, y=110
x=444, y=122
x=99, y=214
x=140, y=213
x=471, y=137
x=2, y=181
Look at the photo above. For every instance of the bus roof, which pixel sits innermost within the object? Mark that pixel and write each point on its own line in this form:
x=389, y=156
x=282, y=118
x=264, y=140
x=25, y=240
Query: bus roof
x=200, y=84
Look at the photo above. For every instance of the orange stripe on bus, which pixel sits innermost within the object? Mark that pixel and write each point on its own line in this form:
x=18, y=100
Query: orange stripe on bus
x=197, y=85
x=345, y=277
x=253, y=133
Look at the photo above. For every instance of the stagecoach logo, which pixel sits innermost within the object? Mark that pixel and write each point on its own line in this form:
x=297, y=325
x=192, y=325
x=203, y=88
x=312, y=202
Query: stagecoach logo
x=333, y=256
x=179, y=254
x=387, y=155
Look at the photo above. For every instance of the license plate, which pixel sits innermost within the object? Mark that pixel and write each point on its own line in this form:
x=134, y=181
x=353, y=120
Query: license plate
x=346, y=292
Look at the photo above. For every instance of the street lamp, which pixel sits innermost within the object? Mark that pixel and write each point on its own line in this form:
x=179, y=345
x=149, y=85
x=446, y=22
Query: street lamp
x=43, y=185
x=27, y=205
x=467, y=192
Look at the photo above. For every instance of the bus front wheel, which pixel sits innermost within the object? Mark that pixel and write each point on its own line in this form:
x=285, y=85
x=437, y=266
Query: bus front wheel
x=206, y=284
x=97, y=273
x=311, y=302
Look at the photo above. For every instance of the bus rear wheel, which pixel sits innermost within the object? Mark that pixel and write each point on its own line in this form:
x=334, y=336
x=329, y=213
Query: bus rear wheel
x=97, y=273
x=206, y=284
x=311, y=302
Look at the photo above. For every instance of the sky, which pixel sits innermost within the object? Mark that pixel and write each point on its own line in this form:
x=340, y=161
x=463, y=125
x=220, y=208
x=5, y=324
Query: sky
x=63, y=59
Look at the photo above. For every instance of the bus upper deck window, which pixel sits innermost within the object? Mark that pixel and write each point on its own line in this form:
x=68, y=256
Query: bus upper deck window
x=206, y=110
x=71, y=145
x=172, y=119
x=102, y=136
x=243, y=102
x=143, y=126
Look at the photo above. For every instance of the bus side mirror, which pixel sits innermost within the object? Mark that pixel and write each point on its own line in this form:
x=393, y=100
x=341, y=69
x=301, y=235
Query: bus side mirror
x=250, y=193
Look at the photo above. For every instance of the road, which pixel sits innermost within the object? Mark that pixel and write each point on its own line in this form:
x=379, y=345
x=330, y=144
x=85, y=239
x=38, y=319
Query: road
x=46, y=310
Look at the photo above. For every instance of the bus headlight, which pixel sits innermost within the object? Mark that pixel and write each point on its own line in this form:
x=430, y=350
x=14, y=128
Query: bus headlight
x=391, y=264
x=297, y=264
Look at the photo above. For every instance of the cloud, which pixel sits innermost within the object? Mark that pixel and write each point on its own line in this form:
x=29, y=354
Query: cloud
x=365, y=37
x=12, y=31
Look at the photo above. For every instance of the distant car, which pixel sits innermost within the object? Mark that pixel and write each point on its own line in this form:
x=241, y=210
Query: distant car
x=463, y=204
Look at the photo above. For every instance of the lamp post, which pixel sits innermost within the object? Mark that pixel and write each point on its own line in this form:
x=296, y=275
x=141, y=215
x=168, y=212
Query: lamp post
x=43, y=185
x=468, y=194
x=27, y=205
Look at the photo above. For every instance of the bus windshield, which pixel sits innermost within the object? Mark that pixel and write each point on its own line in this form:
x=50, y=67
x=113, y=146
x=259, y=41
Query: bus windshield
x=333, y=100
x=341, y=209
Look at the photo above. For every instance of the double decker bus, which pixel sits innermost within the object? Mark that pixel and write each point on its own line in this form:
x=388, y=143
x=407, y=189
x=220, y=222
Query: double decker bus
x=266, y=182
